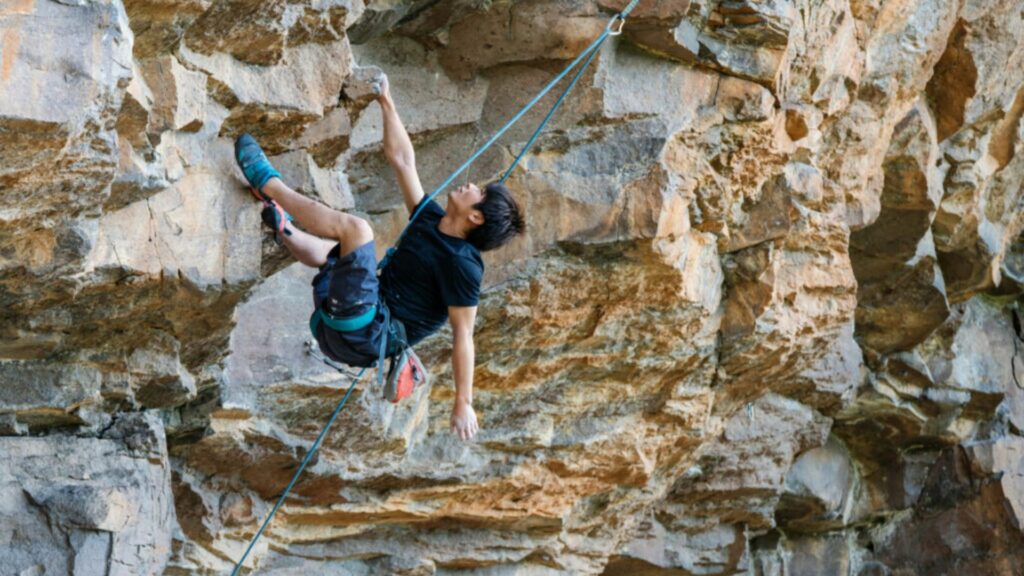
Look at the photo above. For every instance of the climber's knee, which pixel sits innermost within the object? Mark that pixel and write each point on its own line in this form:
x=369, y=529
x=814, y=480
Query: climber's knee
x=353, y=232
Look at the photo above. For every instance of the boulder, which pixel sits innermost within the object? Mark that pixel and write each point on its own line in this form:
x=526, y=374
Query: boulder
x=78, y=505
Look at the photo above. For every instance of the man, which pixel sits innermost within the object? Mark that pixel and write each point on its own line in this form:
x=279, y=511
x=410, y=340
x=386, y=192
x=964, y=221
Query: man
x=434, y=275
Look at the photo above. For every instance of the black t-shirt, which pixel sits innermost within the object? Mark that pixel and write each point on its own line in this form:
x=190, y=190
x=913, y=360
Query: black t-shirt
x=429, y=272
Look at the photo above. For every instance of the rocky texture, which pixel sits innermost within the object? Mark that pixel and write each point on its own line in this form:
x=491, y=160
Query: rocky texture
x=759, y=322
x=88, y=505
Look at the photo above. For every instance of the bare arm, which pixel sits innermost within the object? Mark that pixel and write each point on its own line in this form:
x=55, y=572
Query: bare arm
x=463, y=421
x=398, y=150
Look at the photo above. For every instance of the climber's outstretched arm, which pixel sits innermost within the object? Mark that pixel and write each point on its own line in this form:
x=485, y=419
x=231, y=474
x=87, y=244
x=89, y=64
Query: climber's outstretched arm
x=463, y=421
x=398, y=149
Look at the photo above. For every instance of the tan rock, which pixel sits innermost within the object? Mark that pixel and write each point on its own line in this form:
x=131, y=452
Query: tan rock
x=901, y=295
x=819, y=489
x=979, y=516
x=429, y=101
x=978, y=112
x=302, y=173
x=743, y=39
x=570, y=26
x=159, y=24
x=59, y=152
x=742, y=473
x=179, y=95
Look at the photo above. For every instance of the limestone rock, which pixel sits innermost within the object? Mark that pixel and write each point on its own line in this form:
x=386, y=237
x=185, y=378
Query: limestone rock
x=59, y=152
x=818, y=489
x=365, y=83
x=570, y=25
x=41, y=393
x=978, y=113
x=179, y=103
x=159, y=24
x=743, y=472
x=982, y=337
x=901, y=296
x=985, y=517
x=759, y=323
x=77, y=505
x=160, y=379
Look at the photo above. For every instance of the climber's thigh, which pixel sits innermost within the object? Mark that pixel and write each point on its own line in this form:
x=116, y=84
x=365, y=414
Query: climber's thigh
x=347, y=286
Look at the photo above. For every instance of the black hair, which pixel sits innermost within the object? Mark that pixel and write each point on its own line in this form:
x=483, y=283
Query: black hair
x=502, y=219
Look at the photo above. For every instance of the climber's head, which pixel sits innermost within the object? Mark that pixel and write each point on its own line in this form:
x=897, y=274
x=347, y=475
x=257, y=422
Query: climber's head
x=493, y=216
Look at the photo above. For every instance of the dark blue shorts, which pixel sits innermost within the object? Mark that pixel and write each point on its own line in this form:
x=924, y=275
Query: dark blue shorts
x=349, y=285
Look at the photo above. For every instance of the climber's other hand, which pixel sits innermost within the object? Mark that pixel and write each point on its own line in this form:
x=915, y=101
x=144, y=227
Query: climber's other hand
x=463, y=422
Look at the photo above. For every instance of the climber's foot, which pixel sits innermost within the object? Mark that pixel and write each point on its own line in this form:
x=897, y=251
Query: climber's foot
x=254, y=165
x=275, y=218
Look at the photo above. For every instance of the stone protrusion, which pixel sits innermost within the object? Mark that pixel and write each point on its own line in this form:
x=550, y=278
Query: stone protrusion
x=901, y=294
x=86, y=504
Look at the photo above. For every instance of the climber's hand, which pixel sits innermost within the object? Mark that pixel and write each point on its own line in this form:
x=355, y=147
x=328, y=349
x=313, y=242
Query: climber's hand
x=382, y=87
x=463, y=422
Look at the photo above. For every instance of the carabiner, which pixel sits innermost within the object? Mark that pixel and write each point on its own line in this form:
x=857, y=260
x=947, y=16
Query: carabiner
x=611, y=23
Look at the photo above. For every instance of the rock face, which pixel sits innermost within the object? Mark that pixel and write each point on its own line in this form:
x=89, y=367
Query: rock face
x=88, y=505
x=761, y=320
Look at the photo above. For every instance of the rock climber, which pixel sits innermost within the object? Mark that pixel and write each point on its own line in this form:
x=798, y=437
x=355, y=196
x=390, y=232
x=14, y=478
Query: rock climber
x=434, y=275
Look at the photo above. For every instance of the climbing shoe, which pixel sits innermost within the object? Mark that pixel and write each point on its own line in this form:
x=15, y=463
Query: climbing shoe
x=275, y=217
x=254, y=164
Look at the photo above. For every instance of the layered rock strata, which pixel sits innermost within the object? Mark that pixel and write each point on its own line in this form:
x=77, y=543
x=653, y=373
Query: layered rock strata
x=761, y=320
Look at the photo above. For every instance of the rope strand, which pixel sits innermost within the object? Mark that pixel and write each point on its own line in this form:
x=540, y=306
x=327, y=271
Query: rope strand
x=295, y=478
x=551, y=113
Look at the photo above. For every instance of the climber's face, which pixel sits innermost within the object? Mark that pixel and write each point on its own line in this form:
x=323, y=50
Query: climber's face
x=462, y=200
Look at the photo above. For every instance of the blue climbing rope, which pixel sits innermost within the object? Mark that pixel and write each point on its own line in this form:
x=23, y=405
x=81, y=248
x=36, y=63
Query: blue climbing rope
x=298, y=472
x=554, y=108
x=587, y=56
x=619, y=18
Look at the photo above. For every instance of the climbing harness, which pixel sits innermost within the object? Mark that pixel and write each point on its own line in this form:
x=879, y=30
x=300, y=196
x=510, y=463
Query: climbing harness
x=408, y=370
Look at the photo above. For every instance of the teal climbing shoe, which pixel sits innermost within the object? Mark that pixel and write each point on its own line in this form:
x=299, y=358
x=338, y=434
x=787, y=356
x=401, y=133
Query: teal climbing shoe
x=254, y=164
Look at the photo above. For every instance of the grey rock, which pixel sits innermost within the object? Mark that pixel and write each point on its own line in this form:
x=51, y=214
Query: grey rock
x=818, y=492
x=92, y=507
x=84, y=506
x=45, y=394
x=10, y=426
x=364, y=83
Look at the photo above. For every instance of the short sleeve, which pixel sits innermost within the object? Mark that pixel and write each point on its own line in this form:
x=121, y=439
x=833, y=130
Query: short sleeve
x=431, y=211
x=460, y=286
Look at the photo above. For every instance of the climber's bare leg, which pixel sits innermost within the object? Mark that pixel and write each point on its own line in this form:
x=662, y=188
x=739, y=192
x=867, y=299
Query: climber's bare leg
x=306, y=248
x=350, y=231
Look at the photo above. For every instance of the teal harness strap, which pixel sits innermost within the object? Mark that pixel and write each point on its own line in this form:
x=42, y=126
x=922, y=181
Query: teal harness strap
x=346, y=324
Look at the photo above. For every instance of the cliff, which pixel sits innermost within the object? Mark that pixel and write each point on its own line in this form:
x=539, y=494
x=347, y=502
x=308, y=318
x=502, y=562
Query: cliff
x=760, y=322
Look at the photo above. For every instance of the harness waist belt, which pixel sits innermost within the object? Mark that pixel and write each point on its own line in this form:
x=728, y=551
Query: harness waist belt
x=347, y=324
